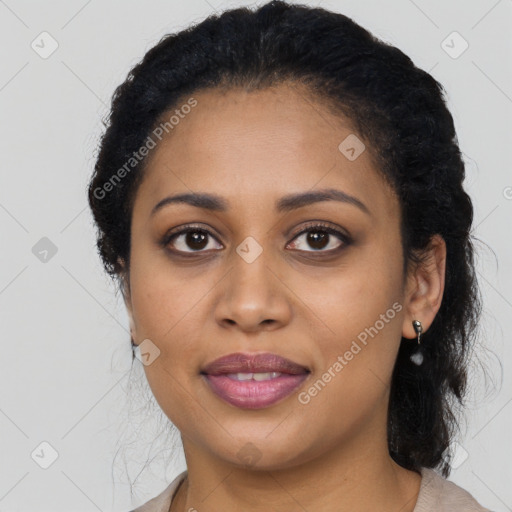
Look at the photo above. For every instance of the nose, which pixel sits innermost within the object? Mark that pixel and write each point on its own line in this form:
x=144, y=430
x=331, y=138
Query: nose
x=252, y=297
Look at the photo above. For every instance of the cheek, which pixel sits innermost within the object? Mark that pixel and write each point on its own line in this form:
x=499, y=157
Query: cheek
x=163, y=296
x=354, y=362
x=167, y=309
x=171, y=307
x=358, y=315
x=355, y=295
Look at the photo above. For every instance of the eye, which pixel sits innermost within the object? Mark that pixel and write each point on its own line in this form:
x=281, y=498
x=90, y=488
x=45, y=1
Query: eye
x=195, y=239
x=320, y=238
x=191, y=239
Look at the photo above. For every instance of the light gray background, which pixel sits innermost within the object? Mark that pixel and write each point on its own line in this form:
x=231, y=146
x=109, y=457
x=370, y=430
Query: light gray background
x=65, y=341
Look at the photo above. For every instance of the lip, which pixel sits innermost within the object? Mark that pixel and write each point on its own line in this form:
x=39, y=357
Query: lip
x=251, y=363
x=252, y=394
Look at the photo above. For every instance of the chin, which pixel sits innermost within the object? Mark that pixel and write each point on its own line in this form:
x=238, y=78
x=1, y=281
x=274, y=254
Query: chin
x=264, y=455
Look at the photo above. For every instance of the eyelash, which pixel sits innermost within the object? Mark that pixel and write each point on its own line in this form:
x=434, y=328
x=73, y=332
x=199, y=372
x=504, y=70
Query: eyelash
x=310, y=227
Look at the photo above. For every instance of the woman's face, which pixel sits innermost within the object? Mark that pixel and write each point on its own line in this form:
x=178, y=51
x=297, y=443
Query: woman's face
x=262, y=275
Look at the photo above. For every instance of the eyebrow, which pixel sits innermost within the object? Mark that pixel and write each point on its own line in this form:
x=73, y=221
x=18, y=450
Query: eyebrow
x=285, y=204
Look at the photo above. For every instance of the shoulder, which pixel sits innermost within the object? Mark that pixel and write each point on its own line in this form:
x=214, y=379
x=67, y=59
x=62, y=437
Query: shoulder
x=441, y=495
x=162, y=502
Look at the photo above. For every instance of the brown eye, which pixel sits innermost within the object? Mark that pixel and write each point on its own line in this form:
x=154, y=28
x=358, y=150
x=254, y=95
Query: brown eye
x=320, y=238
x=190, y=240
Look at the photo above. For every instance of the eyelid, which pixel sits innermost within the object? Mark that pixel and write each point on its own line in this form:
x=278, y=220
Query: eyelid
x=327, y=226
x=178, y=230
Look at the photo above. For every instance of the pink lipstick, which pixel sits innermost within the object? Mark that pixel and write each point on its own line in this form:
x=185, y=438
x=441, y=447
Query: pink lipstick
x=253, y=381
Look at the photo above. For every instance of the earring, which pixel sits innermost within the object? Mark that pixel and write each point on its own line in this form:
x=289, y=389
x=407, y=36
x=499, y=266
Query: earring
x=418, y=328
x=417, y=357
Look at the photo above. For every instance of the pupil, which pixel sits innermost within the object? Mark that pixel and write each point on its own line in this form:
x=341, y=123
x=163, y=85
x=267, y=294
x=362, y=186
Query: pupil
x=318, y=239
x=196, y=239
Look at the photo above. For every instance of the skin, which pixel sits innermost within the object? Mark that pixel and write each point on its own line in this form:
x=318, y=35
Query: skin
x=252, y=148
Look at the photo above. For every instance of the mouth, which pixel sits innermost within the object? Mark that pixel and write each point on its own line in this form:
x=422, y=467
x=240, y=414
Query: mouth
x=253, y=381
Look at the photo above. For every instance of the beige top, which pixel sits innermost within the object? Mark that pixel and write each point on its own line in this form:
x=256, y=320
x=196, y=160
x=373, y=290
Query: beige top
x=436, y=495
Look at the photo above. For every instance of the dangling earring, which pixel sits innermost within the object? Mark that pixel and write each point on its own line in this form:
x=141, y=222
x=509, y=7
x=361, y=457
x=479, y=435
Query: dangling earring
x=417, y=357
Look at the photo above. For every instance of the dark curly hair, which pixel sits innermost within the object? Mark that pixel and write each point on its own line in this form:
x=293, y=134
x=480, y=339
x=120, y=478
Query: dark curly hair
x=397, y=108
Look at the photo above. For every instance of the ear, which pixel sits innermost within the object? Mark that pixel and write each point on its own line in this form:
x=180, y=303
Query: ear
x=425, y=288
x=124, y=282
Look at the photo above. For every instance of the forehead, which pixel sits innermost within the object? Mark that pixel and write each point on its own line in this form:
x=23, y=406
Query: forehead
x=255, y=147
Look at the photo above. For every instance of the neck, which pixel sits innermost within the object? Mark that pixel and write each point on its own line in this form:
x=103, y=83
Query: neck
x=356, y=477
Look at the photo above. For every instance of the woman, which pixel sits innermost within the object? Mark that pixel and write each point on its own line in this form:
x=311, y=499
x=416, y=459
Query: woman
x=279, y=196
